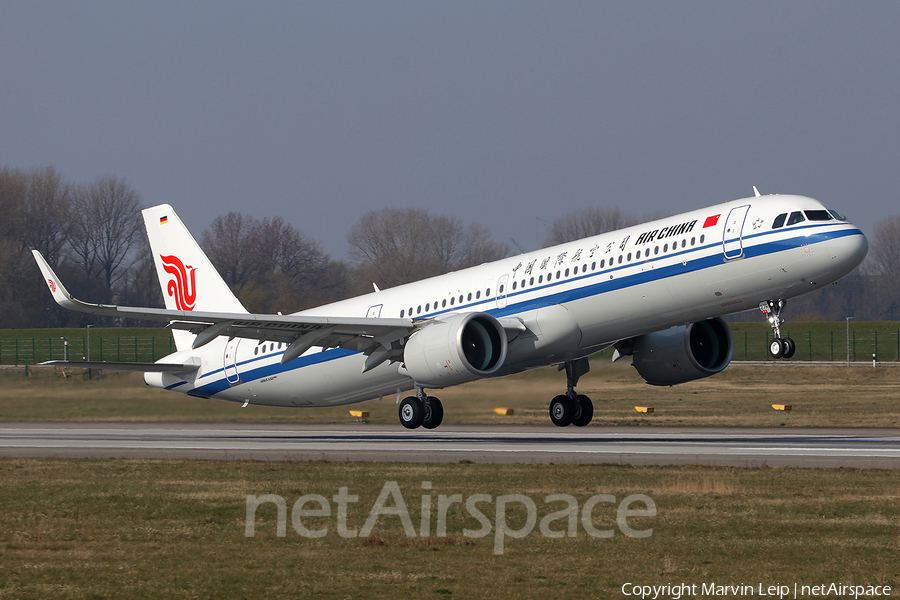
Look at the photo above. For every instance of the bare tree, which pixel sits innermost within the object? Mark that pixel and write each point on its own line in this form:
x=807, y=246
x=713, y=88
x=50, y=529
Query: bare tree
x=106, y=225
x=227, y=242
x=270, y=265
x=884, y=251
x=45, y=217
x=884, y=259
x=587, y=222
x=395, y=246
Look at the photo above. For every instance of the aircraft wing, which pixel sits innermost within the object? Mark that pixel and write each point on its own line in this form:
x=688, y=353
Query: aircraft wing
x=300, y=332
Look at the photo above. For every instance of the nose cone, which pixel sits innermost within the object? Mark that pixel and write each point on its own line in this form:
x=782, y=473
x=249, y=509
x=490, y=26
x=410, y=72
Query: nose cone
x=849, y=250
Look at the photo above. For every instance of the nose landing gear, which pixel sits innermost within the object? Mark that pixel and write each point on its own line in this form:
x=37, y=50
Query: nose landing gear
x=779, y=347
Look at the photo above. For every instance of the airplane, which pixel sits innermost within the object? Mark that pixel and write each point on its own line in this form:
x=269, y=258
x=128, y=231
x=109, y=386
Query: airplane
x=656, y=292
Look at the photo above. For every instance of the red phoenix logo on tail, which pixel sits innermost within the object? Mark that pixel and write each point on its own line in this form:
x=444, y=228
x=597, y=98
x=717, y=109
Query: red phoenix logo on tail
x=184, y=291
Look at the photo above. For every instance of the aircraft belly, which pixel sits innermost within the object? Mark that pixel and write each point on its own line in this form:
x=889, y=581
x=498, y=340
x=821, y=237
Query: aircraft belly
x=351, y=385
x=617, y=314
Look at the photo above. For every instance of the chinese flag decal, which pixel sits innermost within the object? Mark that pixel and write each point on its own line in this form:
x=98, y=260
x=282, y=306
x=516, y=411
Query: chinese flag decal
x=711, y=221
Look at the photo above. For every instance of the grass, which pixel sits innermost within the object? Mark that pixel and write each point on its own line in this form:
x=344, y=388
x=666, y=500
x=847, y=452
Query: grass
x=739, y=396
x=176, y=529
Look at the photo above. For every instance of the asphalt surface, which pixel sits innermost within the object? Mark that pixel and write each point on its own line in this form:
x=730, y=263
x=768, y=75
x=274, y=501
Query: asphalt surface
x=740, y=447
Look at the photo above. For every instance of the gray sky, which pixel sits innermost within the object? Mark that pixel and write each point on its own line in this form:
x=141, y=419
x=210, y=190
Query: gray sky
x=495, y=112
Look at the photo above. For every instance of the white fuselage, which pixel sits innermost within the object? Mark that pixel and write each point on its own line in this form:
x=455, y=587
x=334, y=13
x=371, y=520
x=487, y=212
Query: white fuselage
x=573, y=299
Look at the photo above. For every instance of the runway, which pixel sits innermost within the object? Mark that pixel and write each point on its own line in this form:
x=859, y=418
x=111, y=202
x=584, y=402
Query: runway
x=740, y=447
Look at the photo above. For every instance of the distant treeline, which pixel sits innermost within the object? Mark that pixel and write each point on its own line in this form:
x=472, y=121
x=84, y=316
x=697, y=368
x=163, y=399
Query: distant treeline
x=93, y=235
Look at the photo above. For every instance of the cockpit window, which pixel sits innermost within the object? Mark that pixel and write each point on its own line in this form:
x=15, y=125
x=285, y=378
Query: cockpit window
x=796, y=217
x=818, y=215
x=779, y=221
x=837, y=215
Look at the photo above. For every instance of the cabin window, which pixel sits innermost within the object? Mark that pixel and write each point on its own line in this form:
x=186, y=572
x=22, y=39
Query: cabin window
x=567, y=272
x=452, y=300
x=427, y=307
x=620, y=259
x=665, y=247
x=549, y=276
x=818, y=215
x=487, y=293
x=557, y=274
x=693, y=240
x=256, y=351
x=683, y=243
x=531, y=281
x=419, y=310
x=523, y=283
x=402, y=312
x=594, y=266
x=478, y=294
x=460, y=298
x=584, y=268
x=779, y=221
x=655, y=250
x=540, y=279
x=602, y=263
x=629, y=257
x=796, y=217
x=469, y=297
x=702, y=238
x=501, y=289
x=515, y=284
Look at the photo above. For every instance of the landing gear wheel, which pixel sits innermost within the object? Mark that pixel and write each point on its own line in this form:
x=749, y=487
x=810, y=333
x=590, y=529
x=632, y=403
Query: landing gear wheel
x=789, y=348
x=584, y=411
x=777, y=348
x=434, y=413
x=412, y=412
x=562, y=410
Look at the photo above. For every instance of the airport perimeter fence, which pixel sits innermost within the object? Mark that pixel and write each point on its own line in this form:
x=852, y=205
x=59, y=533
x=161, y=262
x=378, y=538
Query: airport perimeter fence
x=35, y=350
x=862, y=345
x=820, y=342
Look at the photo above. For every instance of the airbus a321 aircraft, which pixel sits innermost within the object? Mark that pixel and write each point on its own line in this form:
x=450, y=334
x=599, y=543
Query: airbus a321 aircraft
x=656, y=292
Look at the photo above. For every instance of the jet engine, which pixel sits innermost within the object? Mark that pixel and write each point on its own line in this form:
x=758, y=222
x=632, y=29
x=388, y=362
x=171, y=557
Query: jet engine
x=684, y=353
x=461, y=348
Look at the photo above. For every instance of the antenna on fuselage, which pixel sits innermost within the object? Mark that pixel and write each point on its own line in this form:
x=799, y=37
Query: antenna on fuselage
x=756, y=192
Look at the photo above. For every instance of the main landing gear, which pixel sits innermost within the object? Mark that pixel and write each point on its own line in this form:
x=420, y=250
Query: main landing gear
x=421, y=410
x=572, y=408
x=779, y=347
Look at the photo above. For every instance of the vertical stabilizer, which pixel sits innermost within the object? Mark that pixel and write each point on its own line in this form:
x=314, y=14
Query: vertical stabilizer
x=187, y=277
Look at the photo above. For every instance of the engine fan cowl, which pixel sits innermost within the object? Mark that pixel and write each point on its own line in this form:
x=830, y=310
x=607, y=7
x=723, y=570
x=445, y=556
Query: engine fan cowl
x=684, y=353
x=462, y=348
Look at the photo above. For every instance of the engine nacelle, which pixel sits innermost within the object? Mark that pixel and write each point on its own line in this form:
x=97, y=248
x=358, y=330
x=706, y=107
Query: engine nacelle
x=462, y=348
x=685, y=353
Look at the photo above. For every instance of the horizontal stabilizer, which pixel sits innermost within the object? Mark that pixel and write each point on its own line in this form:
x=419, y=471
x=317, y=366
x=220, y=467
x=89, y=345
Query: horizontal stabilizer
x=123, y=366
